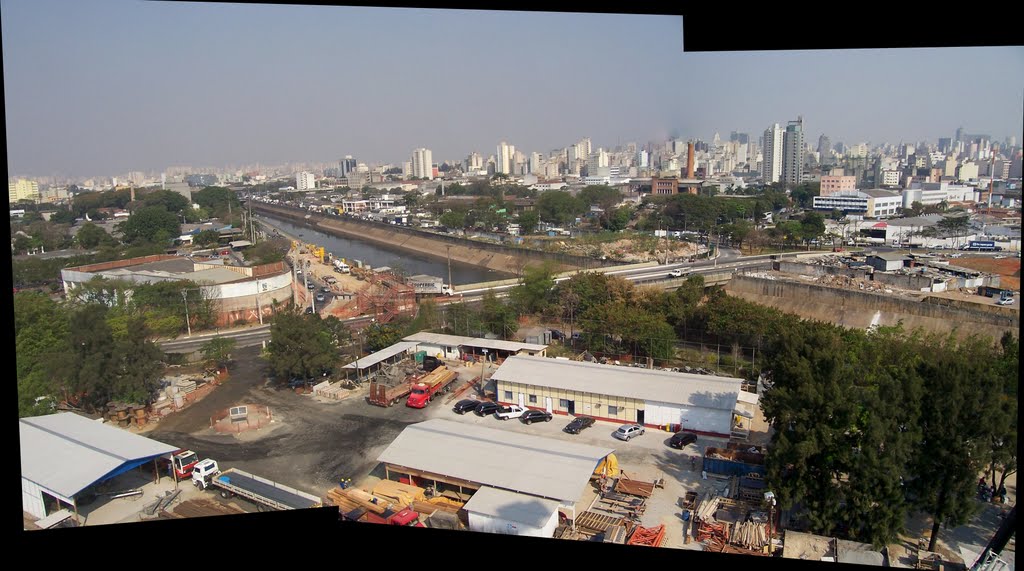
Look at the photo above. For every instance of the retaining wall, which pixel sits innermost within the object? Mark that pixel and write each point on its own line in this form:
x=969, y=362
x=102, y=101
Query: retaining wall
x=861, y=310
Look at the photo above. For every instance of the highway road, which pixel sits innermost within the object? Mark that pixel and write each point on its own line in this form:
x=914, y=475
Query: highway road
x=730, y=260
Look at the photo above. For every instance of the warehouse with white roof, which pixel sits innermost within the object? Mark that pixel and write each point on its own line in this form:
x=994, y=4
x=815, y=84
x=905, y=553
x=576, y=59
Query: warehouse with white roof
x=699, y=403
x=62, y=455
x=525, y=479
x=446, y=346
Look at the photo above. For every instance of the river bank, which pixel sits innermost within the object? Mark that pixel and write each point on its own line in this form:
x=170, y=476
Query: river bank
x=498, y=258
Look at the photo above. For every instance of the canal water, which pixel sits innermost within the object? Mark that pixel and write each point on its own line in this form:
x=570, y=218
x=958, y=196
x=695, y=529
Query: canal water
x=377, y=256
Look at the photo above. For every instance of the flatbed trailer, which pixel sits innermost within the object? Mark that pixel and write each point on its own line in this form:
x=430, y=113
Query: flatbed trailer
x=382, y=394
x=263, y=492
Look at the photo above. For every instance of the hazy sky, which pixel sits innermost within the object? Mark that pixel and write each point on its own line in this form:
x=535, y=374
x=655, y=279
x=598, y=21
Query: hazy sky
x=104, y=87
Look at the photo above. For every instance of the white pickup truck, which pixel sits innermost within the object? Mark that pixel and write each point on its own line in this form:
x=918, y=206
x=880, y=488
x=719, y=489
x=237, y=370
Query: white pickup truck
x=511, y=411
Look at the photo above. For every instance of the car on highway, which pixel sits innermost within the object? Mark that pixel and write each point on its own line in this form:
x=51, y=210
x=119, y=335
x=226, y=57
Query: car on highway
x=675, y=274
x=309, y=311
x=311, y=286
x=1005, y=301
x=510, y=411
x=681, y=439
x=628, y=432
x=320, y=297
x=578, y=424
x=485, y=408
x=531, y=416
x=464, y=406
x=325, y=289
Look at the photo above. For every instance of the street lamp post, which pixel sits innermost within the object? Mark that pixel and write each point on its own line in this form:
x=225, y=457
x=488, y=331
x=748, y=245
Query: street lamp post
x=482, y=365
x=259, y=311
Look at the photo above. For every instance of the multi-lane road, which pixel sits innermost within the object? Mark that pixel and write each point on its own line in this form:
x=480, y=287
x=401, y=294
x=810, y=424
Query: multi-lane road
x=729, y=261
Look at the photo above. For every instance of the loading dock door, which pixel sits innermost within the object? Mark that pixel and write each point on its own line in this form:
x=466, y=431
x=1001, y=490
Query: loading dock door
x=572, y=407
x=547, y=404
x=640, y=417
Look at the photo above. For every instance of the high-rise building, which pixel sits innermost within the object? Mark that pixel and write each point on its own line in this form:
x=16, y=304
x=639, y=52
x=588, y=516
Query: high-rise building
x=536, y=163
x=474, y=161
x=945, y=144
x=642, y=158
x=23, y=190
x=503, y=160
x=959, y=134
x=305, y=181
x=793, y=152
x=824, y=147
x=346, y=165
x=422, y=164
x=771, y=165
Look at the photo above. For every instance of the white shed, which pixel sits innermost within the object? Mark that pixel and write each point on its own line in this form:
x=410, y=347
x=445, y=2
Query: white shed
x=499, y=511
x=439, y=344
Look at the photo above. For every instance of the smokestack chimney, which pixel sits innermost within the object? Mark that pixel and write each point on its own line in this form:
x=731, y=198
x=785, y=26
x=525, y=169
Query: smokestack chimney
x=133, y=193
x=689, y=160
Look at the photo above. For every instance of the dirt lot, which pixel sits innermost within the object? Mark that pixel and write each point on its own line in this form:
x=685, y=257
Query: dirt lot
x=310, y=446
x=1008, y=268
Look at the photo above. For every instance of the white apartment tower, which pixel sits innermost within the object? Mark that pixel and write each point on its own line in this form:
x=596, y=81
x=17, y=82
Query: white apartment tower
x=503, y=160
x=305, y=181
x=422, y=164
x=771, y=164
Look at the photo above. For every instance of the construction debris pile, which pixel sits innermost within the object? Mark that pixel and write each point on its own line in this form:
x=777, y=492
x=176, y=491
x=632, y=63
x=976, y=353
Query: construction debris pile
x=846, y=282
x=614, y=515
x=389, y=500
x=748, y=534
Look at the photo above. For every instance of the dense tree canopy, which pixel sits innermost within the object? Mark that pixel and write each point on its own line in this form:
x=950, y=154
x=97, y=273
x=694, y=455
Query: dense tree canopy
x=150, y=224
x=301, y=346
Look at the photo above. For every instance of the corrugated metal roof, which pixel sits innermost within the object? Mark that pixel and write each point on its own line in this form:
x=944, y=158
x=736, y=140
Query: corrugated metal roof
x=889, y=256
x=459, y=340
x=504, y=345
x=520, y=508
x=66, y=453
x=705, y=391
x=499, y=458
x=382, y=355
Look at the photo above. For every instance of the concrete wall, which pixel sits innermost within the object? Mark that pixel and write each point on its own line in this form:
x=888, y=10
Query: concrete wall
x=861, y=310
x=492, y=256
x=815, y=270
x=904, y=281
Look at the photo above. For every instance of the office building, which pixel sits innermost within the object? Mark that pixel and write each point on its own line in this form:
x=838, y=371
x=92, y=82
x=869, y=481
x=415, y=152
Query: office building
x=346, y=165
x=832, y=184
x=422, y=164
x=793, y=153
x=305, y=181
x=503, y=160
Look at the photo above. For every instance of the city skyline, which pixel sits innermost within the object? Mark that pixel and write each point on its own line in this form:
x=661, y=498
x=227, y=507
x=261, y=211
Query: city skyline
x=272, y=84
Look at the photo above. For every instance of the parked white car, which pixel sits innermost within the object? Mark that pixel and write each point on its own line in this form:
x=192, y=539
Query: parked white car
x=628, y=431
x=511, y=411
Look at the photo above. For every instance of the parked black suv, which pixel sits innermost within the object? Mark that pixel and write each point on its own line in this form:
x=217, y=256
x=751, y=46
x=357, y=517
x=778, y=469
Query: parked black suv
x=464, y=406
x=531, y=416
x=485, y=408
x=578, y=424
x=681, y=439
x=557, y=335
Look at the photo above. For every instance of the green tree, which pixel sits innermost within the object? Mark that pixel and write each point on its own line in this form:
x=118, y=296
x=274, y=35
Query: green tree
x=135, y=367
x=453, y=219
x=381, y=335
x=218, y=350
x=559, y=207
x=300, y=346
x=601, y=195
x=528, y=222
x=40, y=334
x=497, y=316
x=148, y=224
x=170, y=200
x=533, y=292
x=217, y=200
x=618, y=218
x=461, y=319
x=267, y=251
x=812, y=226
x=91, y=236
x=206, y=238
x=81, y=373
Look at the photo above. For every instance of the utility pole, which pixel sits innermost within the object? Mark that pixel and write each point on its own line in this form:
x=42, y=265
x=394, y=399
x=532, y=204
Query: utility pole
x=184, y=297
x=448, y=247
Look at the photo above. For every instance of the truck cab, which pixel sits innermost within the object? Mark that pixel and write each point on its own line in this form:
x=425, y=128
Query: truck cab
x=204, y=472
x=182, y=462
x=447, y=289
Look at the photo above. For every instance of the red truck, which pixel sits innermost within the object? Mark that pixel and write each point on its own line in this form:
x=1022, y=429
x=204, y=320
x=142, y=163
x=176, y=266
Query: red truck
x=405, y=517
x=437, y=381
x=182, y=462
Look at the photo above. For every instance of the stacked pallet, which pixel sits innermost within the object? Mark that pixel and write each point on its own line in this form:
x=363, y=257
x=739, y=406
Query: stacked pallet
x=185, y=386
x=647, y=536
x=749, y=534
x=598, y=523
x=616, y=534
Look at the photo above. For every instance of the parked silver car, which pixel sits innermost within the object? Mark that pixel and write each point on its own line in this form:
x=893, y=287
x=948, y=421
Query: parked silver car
x=628, y=431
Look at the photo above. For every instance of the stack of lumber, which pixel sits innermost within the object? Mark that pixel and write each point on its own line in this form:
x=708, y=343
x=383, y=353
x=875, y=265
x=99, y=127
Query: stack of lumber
x=634, y=487
x=399, y=493
x=648, y=536
x=429, y=507
x=443, y=501
x=749, y=534
x=351, y=499
x=707, y=508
